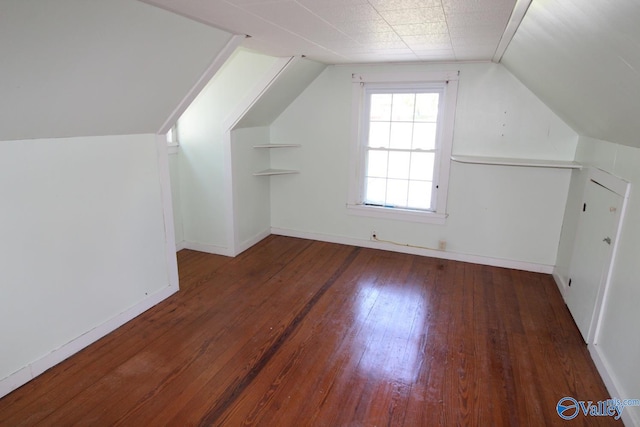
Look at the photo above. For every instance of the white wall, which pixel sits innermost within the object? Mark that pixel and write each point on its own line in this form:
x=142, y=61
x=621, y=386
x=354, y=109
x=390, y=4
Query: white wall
x=508, y=213
x=204, y=163
x=174, y=171
x=617, y=348
x=251, y=193
x=87, y=68
x=82, y=241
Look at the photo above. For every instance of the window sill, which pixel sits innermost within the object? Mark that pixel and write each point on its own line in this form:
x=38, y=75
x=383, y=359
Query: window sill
x=397, y=214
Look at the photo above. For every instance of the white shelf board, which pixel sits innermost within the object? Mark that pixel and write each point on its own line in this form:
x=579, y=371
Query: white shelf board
x=276, y=145
x=269, y=172
x=505, y=161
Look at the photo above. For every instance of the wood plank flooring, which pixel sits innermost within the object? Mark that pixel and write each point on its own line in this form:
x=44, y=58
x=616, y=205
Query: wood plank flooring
x=301, y=333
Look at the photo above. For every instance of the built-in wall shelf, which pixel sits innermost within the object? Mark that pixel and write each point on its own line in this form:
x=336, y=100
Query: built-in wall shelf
x=504, y=161
x=277, y=146
x=269, y=172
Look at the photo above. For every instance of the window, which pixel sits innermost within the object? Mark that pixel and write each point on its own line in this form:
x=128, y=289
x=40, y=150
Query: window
x=402, y=138
x=172, y=139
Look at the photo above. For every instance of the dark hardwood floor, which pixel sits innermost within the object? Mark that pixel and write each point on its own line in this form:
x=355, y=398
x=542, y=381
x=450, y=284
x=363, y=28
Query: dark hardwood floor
x=295, y=333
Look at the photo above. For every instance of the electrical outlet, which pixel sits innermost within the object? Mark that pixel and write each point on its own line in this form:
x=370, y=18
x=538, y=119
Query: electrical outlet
x=442, y=245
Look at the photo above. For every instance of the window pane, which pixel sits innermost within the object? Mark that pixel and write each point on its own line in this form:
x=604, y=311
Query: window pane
x=403, y=107
x=397, y=192
x=379, y=134
x=380, y=107
x=377, y=164
x=401, y=135
x=376, y=191
x=420, y=194
x=424, y=136
x=427, y=107
x=399, y=165
x=422, y=166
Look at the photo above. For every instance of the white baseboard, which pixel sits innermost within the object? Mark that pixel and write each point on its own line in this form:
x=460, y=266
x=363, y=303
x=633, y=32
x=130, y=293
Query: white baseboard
x=32, y=370
x=630, y=415
x=454, y=256
x=560, y=282
x=180, y=246
x=210, y=249
x=241, y=247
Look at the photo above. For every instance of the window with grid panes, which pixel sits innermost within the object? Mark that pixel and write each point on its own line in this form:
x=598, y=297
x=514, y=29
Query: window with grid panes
x=404, y=146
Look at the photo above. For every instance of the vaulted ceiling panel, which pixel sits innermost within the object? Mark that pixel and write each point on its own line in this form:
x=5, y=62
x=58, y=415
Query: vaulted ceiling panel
x=89, y=68
x=583, y=60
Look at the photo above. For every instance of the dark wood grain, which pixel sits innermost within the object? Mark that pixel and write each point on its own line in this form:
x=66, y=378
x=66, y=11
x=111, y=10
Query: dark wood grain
x=294, y=332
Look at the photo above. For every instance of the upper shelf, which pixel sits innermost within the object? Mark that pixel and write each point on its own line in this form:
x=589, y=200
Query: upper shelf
x=504, y=161
x=276, y=145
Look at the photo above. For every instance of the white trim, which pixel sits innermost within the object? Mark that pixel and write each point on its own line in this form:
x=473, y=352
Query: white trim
x=204, y=79
x=167, y=212
x=406, y=77
x=173, y=149
x=37, y=367
x=241, y=247
x=507, y=161
x=447, y=82
x=610, y=181
x=425, y=217
x=517, y=15
x=180, y=246
x=622, y=188
x=454, y=256
x=210, y=249
x=229, y=197
x=560, y=281
x=630, y=416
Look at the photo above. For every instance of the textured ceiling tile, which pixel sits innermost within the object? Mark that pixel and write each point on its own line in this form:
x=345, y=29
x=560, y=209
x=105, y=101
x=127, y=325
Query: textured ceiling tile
x=440, y=41
x=413, y=16
x=361, y=27
x=496, y=19
x=404, y=4
x=439, y=27
x=296, y=19
x=346, y=13
x=377, y=37
x=469, y=42
x=473, y=31
x=457, y=6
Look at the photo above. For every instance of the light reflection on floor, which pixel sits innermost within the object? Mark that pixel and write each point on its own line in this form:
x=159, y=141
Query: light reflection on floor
x=392, y=321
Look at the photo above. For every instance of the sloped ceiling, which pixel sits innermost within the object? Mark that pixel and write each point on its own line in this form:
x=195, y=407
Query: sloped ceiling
x=90, y=68
x=285, y=87
x=582, y=58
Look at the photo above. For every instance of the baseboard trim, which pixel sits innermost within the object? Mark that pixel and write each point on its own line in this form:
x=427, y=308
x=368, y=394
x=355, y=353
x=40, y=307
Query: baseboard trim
x=454, y=256
x=560, y=282
x=630, y=415
x=180, y=246
x=241, y=247
x=32, y=370
x=210, y=249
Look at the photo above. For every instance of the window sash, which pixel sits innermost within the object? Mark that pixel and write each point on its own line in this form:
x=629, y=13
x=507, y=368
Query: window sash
x=365, y=149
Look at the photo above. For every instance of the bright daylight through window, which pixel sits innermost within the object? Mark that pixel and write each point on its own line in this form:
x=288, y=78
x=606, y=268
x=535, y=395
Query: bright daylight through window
x=404, y=136
x=401, y=149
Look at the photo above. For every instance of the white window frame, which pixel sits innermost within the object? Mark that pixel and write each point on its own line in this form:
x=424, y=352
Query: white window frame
x=448, y=81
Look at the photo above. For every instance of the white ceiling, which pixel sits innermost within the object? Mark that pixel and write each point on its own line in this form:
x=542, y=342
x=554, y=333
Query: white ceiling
x=342, y=31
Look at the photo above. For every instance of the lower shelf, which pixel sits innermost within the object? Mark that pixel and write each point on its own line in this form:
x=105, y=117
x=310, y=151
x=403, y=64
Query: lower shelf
x=269, y=172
